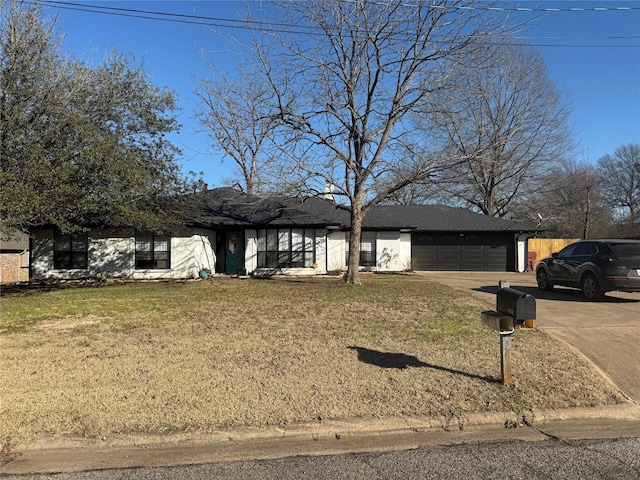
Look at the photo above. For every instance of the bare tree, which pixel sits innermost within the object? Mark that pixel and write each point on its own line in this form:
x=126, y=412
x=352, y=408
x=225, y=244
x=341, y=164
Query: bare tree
x=505, y=119
x=569, y=203
x=346, y=77
x=620, y=174
x=235, y=111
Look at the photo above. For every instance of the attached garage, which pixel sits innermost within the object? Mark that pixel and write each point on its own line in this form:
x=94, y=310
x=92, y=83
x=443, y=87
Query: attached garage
x=462, y=252
x=456, y=239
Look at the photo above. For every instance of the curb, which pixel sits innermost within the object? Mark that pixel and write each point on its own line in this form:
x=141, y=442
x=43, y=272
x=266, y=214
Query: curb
x=324, y=437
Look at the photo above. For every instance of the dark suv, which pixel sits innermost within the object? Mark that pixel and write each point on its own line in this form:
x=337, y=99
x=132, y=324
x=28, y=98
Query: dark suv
x=593, y=266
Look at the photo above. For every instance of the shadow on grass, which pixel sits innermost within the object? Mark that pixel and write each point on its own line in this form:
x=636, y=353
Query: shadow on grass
x=35, y=288
x=402, y=361
x=44, y=286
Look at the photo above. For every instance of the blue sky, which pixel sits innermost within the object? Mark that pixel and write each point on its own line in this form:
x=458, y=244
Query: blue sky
x=592, y=56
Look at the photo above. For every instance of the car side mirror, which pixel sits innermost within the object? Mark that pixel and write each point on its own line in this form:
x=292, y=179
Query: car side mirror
x=554, y=254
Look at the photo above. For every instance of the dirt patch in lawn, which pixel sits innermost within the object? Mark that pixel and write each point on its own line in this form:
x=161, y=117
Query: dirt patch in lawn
x=219, y=353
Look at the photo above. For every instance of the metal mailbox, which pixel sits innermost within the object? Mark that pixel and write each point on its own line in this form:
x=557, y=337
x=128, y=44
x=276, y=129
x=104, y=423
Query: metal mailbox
x=513, y=309
x=518, y=305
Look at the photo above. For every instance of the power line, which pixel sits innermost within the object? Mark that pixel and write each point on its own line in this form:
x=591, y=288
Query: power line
x=412, y=5
x=167, y=16
x=243, y=24
x=524, y=9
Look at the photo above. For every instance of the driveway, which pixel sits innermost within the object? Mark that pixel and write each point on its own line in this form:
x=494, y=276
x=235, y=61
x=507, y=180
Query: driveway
x=607, y=332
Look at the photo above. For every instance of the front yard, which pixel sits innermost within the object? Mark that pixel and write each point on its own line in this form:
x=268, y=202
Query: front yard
x=197, y=356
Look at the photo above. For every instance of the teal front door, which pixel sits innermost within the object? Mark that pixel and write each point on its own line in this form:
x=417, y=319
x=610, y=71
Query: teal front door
x=234, y=252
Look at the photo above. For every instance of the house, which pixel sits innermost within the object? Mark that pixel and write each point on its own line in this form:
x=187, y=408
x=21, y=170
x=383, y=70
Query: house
x=14, y=259
x=240, y=234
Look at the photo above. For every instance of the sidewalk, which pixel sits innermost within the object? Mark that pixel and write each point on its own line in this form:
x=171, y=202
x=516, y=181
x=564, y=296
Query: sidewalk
x=321, y=438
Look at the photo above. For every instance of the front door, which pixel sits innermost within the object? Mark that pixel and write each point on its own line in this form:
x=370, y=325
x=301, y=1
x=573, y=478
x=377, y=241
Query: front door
x=234, y=252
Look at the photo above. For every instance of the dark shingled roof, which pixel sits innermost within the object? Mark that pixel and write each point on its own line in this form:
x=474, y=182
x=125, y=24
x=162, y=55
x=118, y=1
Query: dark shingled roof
x=226, y=207
x=440, y=218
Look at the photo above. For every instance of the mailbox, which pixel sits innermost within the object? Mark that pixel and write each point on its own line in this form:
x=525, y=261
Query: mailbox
x=498, y=321
x=518, y=305
x=513, y=309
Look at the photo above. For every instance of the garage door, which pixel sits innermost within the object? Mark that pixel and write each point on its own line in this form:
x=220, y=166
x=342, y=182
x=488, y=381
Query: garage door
x=475, y=253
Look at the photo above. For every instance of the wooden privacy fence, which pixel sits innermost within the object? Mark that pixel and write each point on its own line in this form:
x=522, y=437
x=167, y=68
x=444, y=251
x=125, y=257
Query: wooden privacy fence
x=544, y=247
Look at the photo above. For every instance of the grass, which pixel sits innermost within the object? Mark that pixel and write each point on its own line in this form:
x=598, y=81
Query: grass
x=145, y=358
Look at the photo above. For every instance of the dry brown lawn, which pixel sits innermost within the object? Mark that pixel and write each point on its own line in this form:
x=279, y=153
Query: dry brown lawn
x=204, y=355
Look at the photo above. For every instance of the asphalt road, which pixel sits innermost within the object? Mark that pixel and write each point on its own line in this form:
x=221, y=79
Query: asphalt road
x=607, y=332
x=549, y=459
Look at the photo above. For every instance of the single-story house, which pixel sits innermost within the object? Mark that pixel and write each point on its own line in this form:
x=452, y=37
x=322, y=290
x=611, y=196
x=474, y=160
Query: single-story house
x=240, y=234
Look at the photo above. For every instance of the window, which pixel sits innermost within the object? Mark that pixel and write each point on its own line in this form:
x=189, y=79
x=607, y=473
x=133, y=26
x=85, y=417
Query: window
x=367, y=249
x=585, y=249
x=627, y=249
x=286, y=248
x=70, y=251
x=153, y=251
x=568, y=250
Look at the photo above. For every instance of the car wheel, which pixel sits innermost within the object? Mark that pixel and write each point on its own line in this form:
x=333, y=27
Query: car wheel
x=591, y=288
x=543, y=280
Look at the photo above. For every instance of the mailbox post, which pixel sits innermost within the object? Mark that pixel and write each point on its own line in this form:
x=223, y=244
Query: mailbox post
x=503, y=324
x=513, y=309
x=505, y=358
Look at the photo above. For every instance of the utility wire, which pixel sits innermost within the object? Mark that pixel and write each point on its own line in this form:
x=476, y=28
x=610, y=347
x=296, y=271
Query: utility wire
x=219, y=22
x=175, y=17
x=510, y=9
x=413, y=5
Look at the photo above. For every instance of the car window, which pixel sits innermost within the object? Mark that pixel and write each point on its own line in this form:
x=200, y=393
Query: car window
x=586, y=248
x=568, y=250
x=625, y=248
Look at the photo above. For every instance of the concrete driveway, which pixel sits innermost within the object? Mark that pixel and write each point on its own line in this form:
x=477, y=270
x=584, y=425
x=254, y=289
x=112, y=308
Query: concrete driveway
x=607, y=332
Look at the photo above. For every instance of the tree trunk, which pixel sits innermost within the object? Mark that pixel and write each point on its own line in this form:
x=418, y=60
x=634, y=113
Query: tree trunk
x=353, y=266
x=587, y=215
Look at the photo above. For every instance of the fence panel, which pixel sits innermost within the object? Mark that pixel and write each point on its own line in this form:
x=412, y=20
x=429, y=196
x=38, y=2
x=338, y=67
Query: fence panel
x=544, y=247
